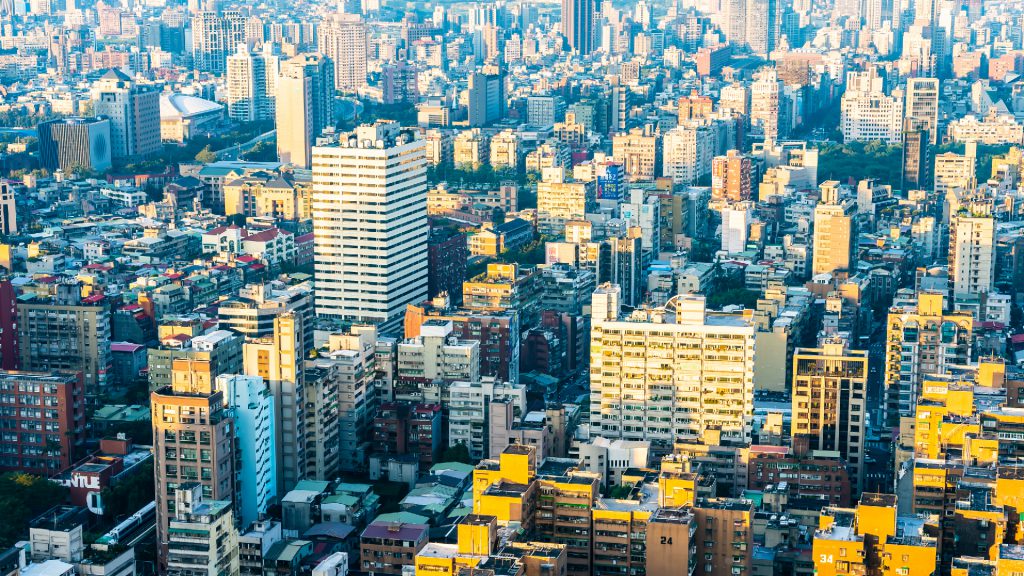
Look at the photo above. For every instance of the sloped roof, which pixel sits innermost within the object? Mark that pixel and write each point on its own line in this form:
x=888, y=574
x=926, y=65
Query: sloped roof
x=173, y=105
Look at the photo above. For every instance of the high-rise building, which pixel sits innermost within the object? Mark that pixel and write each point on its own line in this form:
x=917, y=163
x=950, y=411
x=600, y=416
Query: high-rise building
x=687, y=151
x=8, y=209
x=972, y=244
x=956, y=174
x=70, y=144
x=766, y=95
x=48, y=439
x=252, y=84
x=578, y=25
x=487, y=100
x=370, y=250
x=213, y=37
x=923, y=104
x=201, y=534
x=559, y=201
x=834, y=232
x=342, y=39
x=922, y=340
x=762, y=25
x=251, y=404
x=659, y=375
x=193, y=441
x=60, y=330
x=304, y=107
x=638, y=152
x=134, y=114
x=731, y=177
x=868, y=113
x=916, y=160
x=829, y=399
x=277, y=357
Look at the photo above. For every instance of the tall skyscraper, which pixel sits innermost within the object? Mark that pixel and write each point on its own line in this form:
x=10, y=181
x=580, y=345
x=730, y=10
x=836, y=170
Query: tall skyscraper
x=342, y=38
x=370, y=224
x=134, y=114
x=766, y=95
x=834, y=234
x=923, y=104
x=762, y=23
x=213, y=36
x=661, y=375
x=193, y=441
x=578, y=25
x=305, y=106
x=252, y=84
x=75, y=143
x=687, y=152
x=829, y=399
x=8, y=209
x=972, y=241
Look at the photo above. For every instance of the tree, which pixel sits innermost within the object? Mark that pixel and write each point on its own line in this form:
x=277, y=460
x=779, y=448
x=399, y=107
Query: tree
x=206, y=155
x=457, y=453
x=130, y=494
x=22, y=498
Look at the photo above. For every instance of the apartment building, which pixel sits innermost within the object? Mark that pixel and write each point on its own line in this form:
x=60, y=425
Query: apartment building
x=43, y=426
x=834, y=232
x=661, y=374
x=202, y=538
x=829, y=403
x=637, y=150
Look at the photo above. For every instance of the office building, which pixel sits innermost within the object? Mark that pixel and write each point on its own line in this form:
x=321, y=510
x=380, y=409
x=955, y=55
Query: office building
x=731, y=177
x=834, y=232
x=134, y=114
x=487, y=102
x=252, y=84
x=916, y=158
x=868, y=113
x=71, y=144
x=972, y=240
x=48, y=439
x=762, y=25
x=922, y=339
x=8, y=209
x=343, y=41
x=670, y=373
x=193, y=442
x=578, y=25
x=829, y=404
x=305, y=106
x=923, y=104
x=956, y=175
x=60, y=330
x=214, y=35
x=380, y=171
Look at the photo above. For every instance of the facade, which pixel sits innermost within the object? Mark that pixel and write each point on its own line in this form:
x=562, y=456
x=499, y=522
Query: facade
x=381, y=169
x=659, y=375
x=916, y=159
x=43, y=429
x=637, y=150
x=578, y=25
x=75, y=143
x=829, y=404
x=202, y=538
x=214, y=35
x=8, y=209
x=134, y=114
x=487, y=102
x=559, y=202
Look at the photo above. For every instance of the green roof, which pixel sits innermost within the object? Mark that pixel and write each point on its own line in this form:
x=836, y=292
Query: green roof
x=403, y=518
x=456, y=466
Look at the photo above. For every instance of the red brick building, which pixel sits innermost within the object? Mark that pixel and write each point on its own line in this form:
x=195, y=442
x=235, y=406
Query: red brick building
x=42, y=421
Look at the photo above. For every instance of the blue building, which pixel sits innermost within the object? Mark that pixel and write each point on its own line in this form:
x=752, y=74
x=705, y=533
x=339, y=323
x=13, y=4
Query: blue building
x=251, y=403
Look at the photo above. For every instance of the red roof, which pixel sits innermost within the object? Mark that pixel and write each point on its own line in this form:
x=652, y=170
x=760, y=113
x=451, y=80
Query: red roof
x=246, y=258
x=266, y=235
x=93, y=299
x=304, y=238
